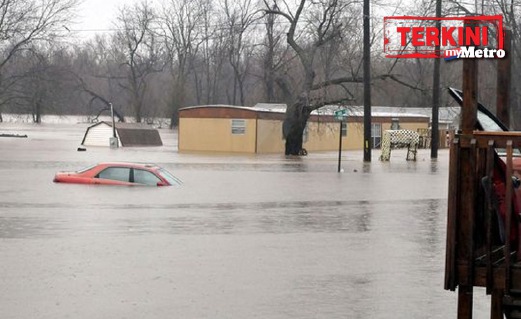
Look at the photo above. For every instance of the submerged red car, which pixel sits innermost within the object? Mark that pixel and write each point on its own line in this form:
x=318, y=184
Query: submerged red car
x=119, y=174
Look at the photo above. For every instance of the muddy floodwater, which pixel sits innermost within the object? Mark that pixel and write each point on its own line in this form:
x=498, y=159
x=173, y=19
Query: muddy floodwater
x=244, y=237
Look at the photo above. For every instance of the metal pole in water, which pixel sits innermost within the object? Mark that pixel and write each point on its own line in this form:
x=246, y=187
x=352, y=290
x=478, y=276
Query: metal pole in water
x=340, y=148
x=113, y=141
x=113, y=122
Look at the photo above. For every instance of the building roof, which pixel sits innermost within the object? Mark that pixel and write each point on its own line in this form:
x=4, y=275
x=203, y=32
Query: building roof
x=376, y=111
x=217, y=106
x=277, y=110
x=271, y=107
x=132, y=134
x=134, y=126
x=446, y=114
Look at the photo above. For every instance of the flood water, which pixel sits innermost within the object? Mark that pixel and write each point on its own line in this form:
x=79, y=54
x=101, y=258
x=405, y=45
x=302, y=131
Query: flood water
x=244, y=237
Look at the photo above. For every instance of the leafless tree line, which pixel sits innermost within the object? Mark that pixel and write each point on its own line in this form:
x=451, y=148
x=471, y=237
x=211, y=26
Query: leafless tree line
x=192, y=52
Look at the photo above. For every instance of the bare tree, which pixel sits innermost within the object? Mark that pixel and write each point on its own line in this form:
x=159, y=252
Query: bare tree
x=321, y=26
x=31, y=92
x=208, y=68
x=141, y=51
x=96, y=76
x=39, y=84
x=270, y=63
x=240, y=15
x=23, y=22
x=181, y=25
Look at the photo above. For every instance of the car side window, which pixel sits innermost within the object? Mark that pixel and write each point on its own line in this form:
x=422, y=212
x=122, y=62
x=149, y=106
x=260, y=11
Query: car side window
x=115, y=173
x=145, y=177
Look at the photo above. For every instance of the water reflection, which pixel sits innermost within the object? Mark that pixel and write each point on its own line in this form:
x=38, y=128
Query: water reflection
x=434, y=166
x=432, y=222
x=211, y=218
x=363, y=221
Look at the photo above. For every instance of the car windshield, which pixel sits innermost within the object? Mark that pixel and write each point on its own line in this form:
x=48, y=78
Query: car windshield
x=86, y=169
x=172, y=180
x=487, y=123
x=486, y=120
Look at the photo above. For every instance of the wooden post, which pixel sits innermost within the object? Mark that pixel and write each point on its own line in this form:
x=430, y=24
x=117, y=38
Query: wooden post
x=508, y=216
x=465, y=294
x=470, y=93
x=496, y=308
x=452, y=211
x=465, y=254
x=488, y=220
x=436, y=92
x=504, y=75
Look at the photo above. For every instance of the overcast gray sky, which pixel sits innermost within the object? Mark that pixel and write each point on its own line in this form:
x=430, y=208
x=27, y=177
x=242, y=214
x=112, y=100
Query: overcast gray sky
x=94, y=15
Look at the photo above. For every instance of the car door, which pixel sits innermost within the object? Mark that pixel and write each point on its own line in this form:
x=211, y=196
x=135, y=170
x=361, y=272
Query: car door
x=145, y=177
x=114, y=176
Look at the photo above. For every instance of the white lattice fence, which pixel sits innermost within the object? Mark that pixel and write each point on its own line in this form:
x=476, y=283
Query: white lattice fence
x=399, y=139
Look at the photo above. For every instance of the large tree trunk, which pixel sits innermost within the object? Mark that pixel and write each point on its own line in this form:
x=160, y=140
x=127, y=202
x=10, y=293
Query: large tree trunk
x=297, y=116
x=37, y=110
x=177, y=100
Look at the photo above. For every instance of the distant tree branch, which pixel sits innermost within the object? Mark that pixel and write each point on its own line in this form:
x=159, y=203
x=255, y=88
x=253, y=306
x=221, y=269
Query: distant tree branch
x=337, y=81
x=395, y=79
x=354, y=79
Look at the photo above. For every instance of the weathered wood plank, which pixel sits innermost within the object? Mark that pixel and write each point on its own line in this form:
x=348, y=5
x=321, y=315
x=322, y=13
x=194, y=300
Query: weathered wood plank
x=508, y=215
x=480, y=276
x=467, y=189
x=489, y=212
x=496, y=304
x=450, y=252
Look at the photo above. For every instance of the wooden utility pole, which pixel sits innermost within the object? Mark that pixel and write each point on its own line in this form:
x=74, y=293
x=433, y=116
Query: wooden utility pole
x=466, y=212
x=436, y=92
x=504, y=76
x=367, y=84
x=465, y=253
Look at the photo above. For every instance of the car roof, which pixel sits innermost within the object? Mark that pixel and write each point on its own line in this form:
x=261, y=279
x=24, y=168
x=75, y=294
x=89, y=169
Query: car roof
x=130, y=164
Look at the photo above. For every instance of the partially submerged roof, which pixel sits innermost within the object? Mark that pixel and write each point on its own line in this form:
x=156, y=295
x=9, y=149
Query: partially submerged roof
x=129, y=134
x=130, y=164
x=277, y=111
x=446, y=114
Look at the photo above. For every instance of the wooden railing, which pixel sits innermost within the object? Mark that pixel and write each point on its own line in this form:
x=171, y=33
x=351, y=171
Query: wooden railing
x=471, y=247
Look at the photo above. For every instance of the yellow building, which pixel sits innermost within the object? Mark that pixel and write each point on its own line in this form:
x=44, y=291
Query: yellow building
x=236, y=129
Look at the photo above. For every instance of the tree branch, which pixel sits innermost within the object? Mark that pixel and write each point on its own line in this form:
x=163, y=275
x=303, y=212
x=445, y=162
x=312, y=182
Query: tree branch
x=395, y=79
x=340, y=81
x=337, y=81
